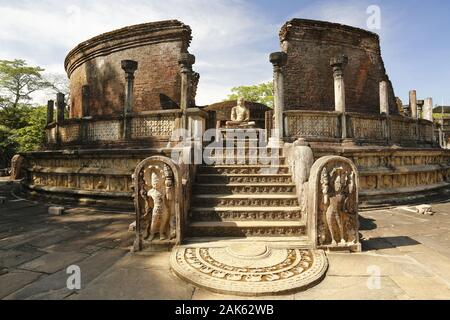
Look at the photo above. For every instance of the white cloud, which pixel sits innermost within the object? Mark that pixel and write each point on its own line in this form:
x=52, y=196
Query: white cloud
x=227, y=35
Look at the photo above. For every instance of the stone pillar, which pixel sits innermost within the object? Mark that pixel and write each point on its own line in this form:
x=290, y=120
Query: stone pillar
x=384, y=98
x=129, y=66
x=278, y=60
x=428, y=109
x=420, y=104
x=60, y=107
x=186, y=61
x=50, y=111
x=85, y=97
x=384, y=108
x=338, y=64
x=413, y=104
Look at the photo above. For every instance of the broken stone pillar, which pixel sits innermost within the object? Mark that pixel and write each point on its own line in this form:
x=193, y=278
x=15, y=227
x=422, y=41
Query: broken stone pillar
x=384, y=98
x=186, y=61
x=50, y=110
x=338, y=63
x=420, y=104
x=413, y=104
x=278, y=60
x=85, y=96
x=60, y=107
x=129, y=66
x=428, y=109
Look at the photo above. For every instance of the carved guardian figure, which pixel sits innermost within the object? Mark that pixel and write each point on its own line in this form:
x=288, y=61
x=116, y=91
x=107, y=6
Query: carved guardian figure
x=157, y=195
x=333, y=204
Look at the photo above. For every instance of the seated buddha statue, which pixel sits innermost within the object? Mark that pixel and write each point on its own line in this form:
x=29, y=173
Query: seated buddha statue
x=240, y=116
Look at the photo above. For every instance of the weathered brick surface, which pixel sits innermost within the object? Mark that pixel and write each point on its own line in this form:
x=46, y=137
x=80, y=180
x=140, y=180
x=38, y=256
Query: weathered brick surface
x=155, y=46
x=309, y=78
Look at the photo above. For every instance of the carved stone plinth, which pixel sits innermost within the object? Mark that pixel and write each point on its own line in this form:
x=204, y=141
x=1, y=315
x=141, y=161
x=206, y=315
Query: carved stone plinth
x=333, y=204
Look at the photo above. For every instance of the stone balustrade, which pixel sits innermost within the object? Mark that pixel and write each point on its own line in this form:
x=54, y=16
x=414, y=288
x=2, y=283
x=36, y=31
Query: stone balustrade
x=147, y=125
x=371, y=129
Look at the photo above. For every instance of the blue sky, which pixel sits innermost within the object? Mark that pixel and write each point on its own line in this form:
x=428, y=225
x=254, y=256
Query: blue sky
x=232, y=38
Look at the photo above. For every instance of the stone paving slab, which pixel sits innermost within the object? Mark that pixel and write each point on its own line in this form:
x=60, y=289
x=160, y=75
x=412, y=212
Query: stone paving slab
x=15, y=280
x=52, y=262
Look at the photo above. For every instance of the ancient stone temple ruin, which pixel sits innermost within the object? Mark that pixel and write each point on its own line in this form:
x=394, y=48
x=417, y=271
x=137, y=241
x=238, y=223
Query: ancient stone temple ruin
x=248, y=197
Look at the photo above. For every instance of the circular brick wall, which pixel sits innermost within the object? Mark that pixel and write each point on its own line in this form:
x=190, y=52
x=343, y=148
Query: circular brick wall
x=156, y=47
x=309, y=84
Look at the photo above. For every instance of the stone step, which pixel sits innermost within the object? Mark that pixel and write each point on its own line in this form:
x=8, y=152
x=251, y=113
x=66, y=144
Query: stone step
x=244, y=188
x=243, y=178
x=245, y=213
x=237, y=200
x=244, y=142
x=298, y=242
x=244, y=150
x=245, y=160
x=243, y=169
x=246, y=229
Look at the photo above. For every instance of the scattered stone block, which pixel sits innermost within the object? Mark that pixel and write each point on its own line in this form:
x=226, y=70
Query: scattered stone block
x=424, y=209
x=56, y=211
x=132, y=227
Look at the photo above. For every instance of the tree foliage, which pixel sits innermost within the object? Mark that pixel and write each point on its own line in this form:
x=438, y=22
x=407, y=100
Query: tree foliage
x=261, y=93
x=21, y=124
x=18, y=81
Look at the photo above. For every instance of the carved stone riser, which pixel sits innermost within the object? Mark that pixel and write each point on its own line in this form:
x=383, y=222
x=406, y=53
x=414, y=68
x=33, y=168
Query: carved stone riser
x=241, y=170
x=230, y=160
x=211, y=202
x=275, y=215
x=244, y=179
x=83, y=182
x=224, y=189
x=247, y=232
x=245, y=151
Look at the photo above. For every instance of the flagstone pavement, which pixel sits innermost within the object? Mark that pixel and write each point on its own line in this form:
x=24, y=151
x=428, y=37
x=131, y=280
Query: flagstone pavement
x=405, y=256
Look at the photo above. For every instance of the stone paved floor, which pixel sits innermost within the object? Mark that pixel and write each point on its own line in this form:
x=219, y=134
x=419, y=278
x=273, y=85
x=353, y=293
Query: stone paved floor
x=410, y=251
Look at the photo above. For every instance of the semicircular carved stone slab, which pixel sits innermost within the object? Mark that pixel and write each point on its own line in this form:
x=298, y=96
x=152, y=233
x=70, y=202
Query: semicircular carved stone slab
x=157, y=195
x=249, y=269
x=333, y=204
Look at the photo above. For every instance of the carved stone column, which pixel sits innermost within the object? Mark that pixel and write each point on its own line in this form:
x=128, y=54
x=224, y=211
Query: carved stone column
x=338, y=64
x=428, y=109
x=278, y=60
x=50, y=111
x=60, y=107
x=129, y=66
x=186, y=61
x=413, y=104
x=384, y=108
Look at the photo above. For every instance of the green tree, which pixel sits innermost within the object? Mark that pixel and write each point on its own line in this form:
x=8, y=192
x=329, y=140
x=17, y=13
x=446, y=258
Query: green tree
x=31, y=136
x=18, y=81
x=261, y=93
x=7, y=146
x=21, y=124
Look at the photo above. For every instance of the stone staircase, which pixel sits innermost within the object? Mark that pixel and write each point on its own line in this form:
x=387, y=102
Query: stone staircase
x=246, y=198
